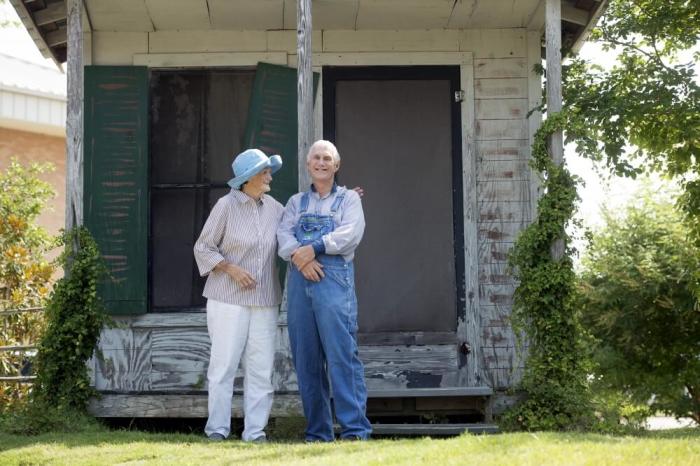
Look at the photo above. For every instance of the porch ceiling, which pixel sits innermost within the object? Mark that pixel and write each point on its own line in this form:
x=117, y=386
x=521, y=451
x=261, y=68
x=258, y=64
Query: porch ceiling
x=45, y=19
x=150, y=15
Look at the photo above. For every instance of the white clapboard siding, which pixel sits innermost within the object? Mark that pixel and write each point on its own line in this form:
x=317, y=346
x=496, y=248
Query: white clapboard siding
x=501, y=109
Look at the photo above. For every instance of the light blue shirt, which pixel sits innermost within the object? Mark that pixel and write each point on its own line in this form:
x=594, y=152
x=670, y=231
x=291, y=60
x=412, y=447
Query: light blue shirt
x=349, y=223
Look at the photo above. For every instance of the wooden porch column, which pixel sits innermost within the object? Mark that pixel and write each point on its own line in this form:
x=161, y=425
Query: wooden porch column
x=74, y=117
x=305, y=90
x=552, y=37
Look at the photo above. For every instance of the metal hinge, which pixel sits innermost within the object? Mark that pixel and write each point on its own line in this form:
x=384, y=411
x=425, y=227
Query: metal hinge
x=459, y=96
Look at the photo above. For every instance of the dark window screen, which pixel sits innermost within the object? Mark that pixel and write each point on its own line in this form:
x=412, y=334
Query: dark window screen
x=197, y=123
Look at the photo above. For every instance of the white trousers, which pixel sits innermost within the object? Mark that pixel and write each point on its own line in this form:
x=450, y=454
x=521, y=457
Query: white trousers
x=237, y=332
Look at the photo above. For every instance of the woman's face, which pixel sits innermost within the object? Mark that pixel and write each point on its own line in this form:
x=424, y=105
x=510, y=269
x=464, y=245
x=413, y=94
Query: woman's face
x=321, y=165
x=260, y=183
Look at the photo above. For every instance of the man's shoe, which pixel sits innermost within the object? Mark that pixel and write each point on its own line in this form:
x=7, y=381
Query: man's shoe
x=352, y=438
x=216, y=437
x=261, y=439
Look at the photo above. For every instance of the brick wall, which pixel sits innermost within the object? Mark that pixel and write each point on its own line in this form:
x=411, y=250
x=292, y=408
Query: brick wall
x=33, y=147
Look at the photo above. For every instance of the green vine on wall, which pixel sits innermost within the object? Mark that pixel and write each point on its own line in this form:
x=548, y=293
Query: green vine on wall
x=74, y=319
x=554, y=382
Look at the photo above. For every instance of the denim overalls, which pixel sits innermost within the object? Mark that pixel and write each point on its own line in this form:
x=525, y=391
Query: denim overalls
x=322, y=320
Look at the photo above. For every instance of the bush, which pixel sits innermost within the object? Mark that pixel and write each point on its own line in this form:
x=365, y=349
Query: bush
x=638, y=302
x=25, y=274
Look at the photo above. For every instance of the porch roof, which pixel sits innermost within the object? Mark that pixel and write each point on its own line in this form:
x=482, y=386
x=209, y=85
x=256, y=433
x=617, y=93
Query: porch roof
x=46, y=19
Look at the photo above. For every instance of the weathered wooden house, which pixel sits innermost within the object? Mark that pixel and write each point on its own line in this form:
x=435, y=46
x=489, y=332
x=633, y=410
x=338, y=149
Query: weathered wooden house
x=427, y=101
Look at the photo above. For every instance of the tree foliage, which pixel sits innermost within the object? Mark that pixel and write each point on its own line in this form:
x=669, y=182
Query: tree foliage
x=25, y=273
x=643, y=113
x=638, y=303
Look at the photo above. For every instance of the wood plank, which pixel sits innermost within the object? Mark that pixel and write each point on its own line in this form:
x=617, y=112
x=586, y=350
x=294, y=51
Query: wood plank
x=501, y=129
x=534, y=100
x=53, y=12
x=437, y=40
x=305, y=91
x=494, y=251
x=504, y=357
x=503, y=378
x=467, y=328
x=497, y=336
x=507, y=211
x=117, y=48
x=502, y=88
x=180, y=349
x=74, y=117
x=501, y=295
x=406, y=338
x=199, y=60
x=123, y=360
x=178, y=14
x=507, y=190
x=387, y=58
x=501, y=109
x=405, y=366
x=433, y=429
x=496, y=315
x=517, y=170
x=286, y=41
x=496, y=273
x=494, y=43
x=516, y=149
x=207, y=41
x=500, y=231
x=180, y=405
x=500, y=68
x=412, y=14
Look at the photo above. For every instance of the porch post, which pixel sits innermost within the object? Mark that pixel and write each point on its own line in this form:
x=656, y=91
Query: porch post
x=74, y=116
x=553, y=57
x=305, y=103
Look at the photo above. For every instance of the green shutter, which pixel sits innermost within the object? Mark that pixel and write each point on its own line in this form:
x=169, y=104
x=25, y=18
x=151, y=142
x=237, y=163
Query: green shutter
x=272, y=123
x=272, y=127
x=116, y=181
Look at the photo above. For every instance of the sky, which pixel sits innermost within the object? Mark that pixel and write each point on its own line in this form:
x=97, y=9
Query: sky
x=595, y=194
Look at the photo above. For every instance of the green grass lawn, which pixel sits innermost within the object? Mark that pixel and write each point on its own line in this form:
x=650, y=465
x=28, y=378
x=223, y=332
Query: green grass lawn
x=680, y=447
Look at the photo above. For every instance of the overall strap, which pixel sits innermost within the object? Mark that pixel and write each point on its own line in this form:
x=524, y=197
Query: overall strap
x=304, y=205
x=338, y=201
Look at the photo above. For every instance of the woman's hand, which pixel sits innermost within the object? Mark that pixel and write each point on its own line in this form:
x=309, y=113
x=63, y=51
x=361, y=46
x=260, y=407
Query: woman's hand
x=313, y=271
x=239, y=275
x=303, y=256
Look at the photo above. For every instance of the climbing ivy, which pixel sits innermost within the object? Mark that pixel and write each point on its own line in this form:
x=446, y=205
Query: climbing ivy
x=544, y=315
x=74, y=318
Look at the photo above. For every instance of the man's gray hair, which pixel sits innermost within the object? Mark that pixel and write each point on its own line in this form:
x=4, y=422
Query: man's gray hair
x=324, y=145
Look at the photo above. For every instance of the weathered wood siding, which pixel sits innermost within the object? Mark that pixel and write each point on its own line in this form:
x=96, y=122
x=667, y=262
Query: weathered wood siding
x=169, y=352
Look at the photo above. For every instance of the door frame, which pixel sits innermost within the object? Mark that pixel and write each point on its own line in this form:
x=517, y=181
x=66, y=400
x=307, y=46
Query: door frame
x=333, y=74
x=468, y=339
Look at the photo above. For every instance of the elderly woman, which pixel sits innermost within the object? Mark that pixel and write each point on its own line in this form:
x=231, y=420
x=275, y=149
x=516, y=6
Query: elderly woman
x=236, y=250
x=319, y=232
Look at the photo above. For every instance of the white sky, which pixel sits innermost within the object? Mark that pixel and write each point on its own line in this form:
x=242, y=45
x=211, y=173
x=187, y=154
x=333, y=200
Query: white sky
x=595, y=194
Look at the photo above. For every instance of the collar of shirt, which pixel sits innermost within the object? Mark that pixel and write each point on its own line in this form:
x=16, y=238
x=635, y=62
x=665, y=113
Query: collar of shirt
x=242, y=197
x=333, y=190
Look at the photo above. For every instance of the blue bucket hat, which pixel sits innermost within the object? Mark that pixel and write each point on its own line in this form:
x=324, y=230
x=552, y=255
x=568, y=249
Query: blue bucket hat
x=249, y=163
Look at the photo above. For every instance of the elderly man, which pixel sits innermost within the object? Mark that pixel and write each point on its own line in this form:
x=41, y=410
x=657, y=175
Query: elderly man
x=319, y=232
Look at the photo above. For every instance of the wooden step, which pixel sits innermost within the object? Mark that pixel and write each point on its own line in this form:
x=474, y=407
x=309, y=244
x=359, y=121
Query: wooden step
x=433, y=429
x=432, y=392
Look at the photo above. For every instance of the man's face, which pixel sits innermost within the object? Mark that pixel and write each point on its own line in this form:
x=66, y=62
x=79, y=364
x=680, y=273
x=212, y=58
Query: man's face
x=321, y=165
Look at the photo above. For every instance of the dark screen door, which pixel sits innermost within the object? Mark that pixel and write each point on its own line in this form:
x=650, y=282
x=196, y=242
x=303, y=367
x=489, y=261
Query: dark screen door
x=397, y=131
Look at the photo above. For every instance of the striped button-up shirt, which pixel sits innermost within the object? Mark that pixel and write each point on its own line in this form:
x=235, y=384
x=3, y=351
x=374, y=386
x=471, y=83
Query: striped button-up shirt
x=242, y=231
x=349, y=223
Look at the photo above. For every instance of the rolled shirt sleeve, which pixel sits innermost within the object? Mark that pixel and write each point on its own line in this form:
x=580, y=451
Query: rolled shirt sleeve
x=287, y=242
x=206, y=249
x=348, y=232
